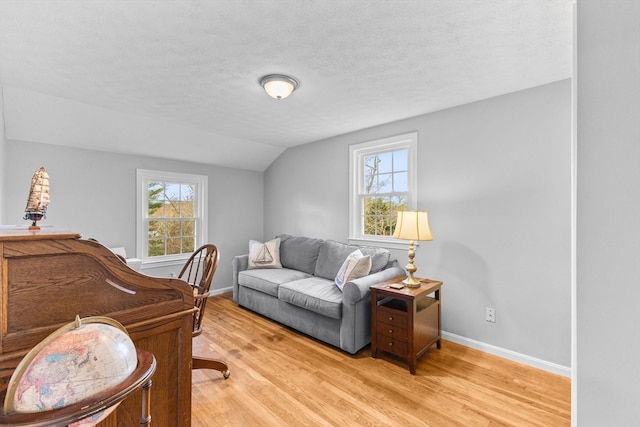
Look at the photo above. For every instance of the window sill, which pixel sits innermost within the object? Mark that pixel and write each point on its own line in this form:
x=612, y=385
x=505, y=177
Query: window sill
x=164, y=262
x=388, y=243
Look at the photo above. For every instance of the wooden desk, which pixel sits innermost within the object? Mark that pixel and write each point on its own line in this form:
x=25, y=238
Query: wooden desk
x=405, y=322
x=49, y=276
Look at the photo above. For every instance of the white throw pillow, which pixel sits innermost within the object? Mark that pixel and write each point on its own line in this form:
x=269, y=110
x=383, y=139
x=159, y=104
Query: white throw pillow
x=356, y=265
x=264, y=255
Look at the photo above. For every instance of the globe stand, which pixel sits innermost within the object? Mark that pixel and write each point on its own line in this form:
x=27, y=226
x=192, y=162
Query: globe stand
x=139, y=379
x=92, y=405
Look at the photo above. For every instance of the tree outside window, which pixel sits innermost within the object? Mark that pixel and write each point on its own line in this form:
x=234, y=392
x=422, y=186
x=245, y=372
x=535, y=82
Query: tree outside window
x=171, y=219
x=383, y=182
x=385, y=191
x=172, y=215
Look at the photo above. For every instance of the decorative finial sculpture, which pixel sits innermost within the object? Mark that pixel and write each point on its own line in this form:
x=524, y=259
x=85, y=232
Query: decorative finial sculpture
x=38, y=198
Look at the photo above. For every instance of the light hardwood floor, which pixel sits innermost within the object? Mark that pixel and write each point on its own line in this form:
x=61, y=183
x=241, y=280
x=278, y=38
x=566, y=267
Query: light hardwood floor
x=282, y=378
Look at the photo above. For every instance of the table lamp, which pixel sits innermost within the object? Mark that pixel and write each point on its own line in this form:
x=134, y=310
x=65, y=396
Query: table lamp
x=412, y=226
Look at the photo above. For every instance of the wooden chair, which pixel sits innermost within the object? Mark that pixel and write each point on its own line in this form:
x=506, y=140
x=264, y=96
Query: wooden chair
x=198, y=272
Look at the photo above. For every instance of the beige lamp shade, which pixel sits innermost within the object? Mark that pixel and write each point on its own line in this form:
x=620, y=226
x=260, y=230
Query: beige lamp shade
x=412, y=225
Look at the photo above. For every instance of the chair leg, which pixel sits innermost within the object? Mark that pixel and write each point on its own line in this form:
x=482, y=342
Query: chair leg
x=215, y=364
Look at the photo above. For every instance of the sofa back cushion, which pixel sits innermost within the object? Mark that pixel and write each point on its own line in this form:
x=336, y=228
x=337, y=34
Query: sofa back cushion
x=379, y=257
x=333, y=254
x=299, y=253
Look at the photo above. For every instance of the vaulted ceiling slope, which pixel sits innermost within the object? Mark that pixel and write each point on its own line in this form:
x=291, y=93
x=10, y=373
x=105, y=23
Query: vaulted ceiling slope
x=179, y=79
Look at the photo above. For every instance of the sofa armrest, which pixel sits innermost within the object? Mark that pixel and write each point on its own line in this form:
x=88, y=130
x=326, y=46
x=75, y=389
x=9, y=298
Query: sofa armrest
x=238, y=264
x=358, y=289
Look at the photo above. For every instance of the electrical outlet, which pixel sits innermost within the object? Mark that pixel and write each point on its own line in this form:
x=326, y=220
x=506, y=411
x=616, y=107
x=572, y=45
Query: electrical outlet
x=490, y=315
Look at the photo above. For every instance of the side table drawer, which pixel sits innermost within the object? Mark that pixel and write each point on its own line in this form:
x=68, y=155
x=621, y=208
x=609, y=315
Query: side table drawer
x=392, y=316
x=393, y=331
x=397, y=347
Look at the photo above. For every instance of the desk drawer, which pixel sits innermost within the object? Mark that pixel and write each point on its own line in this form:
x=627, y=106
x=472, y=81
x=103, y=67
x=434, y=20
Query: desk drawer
x=393, y=331
x=397, y=347
x=392, y=316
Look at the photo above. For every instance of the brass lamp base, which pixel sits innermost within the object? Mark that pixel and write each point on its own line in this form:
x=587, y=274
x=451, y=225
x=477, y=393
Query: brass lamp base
x=411, y=282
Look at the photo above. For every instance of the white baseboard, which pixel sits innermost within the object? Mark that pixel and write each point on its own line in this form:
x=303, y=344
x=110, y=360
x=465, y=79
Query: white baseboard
x=488, y=348
x=220, y=291
x=508, y=354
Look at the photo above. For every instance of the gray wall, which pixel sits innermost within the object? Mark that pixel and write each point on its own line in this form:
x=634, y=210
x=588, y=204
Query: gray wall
x=495, y=177
x=94, y=193
x=607, y=377
x=2, y=162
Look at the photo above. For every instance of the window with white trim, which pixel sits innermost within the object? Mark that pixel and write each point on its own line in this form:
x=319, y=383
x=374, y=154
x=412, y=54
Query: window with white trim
x=383, y=181
x=171, y=220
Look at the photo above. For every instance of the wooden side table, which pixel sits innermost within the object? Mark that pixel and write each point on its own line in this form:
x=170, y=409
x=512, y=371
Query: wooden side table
x=405, y=322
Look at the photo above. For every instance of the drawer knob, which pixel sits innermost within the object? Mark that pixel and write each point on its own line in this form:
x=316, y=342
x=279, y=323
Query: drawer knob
x=390, y=331
x=390, y=317
x=390, y=344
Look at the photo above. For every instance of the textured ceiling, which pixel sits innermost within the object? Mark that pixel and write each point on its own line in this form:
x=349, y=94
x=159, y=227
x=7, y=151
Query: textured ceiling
x=179, y=79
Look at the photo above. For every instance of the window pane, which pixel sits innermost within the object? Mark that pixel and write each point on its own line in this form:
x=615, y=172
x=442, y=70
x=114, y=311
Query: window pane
x=173, y=246
x=173, y=228
x=401, y=160
x=172, y=209
x=156, y=200
x=400, y=181
x=386, y=162
x=188, y=228
x=156, y=247
x=156, y=229
x=188, y=245
x=187, y=191
x=186, y=209
x=380, y=213
x=172, y=191
x=377, y=216
x=370, y=173
x=385, y=183
x=399, y=203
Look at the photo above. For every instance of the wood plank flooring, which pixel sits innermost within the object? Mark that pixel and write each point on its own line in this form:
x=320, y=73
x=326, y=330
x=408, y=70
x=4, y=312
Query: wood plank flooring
x=280, y=377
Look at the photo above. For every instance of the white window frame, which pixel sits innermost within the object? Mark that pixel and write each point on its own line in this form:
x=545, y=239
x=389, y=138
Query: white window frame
x=143, y=178
x=357, y=153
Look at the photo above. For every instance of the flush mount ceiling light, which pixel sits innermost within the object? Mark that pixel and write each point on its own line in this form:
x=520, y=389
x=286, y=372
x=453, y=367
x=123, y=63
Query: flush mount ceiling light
x=278, y=86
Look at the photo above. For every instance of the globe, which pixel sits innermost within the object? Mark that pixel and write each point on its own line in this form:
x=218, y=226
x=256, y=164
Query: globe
x=74, y=363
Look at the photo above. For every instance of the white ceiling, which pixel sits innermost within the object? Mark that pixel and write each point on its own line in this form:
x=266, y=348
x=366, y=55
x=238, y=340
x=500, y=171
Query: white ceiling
x=179, y=79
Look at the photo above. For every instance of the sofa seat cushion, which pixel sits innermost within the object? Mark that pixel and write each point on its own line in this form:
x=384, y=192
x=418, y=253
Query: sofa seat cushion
x=314, y=294
x=268, y=280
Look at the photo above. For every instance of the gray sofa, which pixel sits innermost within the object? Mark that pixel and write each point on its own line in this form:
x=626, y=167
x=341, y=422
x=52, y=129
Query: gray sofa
x=303, y=295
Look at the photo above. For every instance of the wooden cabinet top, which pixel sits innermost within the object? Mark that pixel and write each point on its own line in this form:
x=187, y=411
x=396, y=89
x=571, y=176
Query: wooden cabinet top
x=427, y=286
x=49, y=276
x=13, y=232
